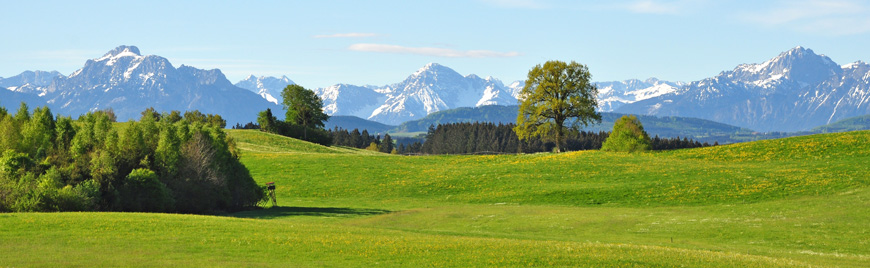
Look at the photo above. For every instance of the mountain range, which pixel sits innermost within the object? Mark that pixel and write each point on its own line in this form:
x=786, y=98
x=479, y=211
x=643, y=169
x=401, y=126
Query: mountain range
x=796, y=90
x=128, y=83
x=432, y=88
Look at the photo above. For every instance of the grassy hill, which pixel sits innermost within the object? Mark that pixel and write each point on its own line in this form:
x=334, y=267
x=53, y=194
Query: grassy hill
x=848, y=124
x=796, y=202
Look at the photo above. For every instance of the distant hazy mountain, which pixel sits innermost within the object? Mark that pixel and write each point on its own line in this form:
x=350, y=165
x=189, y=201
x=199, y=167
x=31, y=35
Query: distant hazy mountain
x=350, y=123
x=30, y=81
x=11, y=100
x=796, y=90
x=489, y=113
x=267, y=87
x=128, y=82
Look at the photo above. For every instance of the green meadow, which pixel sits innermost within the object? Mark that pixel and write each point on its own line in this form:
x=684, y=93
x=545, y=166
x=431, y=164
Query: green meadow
x=795, y=202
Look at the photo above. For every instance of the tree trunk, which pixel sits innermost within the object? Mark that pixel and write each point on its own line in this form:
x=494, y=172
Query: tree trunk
x=559, y=124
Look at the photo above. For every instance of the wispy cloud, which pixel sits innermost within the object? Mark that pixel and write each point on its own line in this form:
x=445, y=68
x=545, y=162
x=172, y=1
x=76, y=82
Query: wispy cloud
x=431, y=51
x=662, y=7
x=66, y=54
x=843, y=17
x=526, y=4
x=346, y=35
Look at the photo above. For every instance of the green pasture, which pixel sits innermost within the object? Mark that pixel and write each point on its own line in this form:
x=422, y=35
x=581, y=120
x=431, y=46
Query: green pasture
x=796, y=202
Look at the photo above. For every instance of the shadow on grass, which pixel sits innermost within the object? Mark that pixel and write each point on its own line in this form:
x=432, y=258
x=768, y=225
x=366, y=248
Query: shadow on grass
x=281, y=212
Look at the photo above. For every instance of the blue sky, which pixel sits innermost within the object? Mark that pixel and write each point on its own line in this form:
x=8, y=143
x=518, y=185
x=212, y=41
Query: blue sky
x=320, y=43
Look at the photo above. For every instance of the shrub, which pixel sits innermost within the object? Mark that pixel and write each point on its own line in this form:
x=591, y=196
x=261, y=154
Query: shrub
x=142, y=191
x=627, y=136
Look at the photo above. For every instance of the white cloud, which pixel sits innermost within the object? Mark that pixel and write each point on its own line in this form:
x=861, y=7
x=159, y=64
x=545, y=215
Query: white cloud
x=531, y=4
x=431, y=51
x=672, y=7
x=346, y=35
x=843, y=17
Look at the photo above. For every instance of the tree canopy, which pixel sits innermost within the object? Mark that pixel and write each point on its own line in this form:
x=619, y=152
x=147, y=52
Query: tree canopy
x=303, y=107
x=627, y=136
x=50, y=163
x=555, y=93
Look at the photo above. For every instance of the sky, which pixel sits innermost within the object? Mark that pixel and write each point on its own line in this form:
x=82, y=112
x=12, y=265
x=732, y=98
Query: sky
x=322, y=43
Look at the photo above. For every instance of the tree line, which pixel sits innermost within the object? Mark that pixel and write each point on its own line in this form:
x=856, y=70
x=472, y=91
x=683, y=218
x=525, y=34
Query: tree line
x=362, y=140
x=476, y=138
x=169, y=162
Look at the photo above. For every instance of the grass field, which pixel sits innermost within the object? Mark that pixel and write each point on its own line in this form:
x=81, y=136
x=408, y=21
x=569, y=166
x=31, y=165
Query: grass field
x=796, y=202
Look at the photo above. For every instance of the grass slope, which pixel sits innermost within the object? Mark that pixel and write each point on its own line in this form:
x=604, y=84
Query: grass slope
x=794, y=202
x=848, y=124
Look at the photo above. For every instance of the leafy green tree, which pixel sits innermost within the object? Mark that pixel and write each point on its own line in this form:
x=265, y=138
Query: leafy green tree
x=10, y=133
x=38, y=134
x=266, y=120
x=195, y=116
x=627, y=136
x=152, y=113
x=555, y=93
x=23, y=113
x=216, y=120
x=173, y=116
x=168, y=151
x=303, y=108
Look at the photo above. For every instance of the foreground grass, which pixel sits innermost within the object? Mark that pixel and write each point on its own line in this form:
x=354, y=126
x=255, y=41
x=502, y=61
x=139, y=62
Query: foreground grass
x=796, y=202
x=117, y=239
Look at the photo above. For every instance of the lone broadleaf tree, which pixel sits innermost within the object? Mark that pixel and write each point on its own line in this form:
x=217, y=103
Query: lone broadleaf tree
x=303, y=108
x=555, y=93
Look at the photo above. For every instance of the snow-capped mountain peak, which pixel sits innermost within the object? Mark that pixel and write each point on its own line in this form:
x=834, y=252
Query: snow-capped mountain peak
x=266, y=86
x=795, y=90
x=432, y=88
x=120, y=52
x=853, y=65
x=614, y=94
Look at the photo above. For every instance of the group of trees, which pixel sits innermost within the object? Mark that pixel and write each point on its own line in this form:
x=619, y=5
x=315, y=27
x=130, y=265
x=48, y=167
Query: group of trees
x=269, y=123
x=482, y=138
x=557, y=92
x=304, y=118
x=362, y=140
x=162, y=163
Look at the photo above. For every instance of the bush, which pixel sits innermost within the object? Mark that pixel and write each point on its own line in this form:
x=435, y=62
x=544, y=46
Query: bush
x=142, y=191
x=627, y=136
